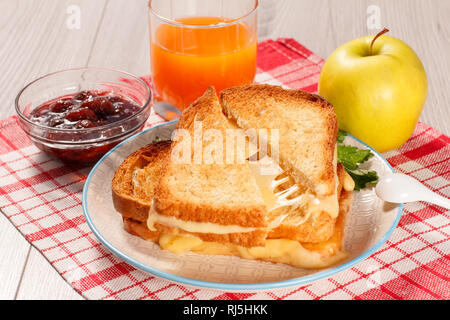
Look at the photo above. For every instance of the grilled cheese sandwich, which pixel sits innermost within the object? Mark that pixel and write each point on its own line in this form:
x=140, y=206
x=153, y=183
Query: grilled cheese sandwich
x=242, y=209
x=291, y=252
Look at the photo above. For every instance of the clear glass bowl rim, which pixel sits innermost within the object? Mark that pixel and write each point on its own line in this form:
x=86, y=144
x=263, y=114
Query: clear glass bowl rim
x=148, y=100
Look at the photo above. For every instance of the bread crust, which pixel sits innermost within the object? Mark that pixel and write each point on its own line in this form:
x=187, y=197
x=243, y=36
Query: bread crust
x=139, y=229
x=247, y=217
x=168, y=202
x=317, y=228
x=247, y=239
x=125, y=201
x=253, y=106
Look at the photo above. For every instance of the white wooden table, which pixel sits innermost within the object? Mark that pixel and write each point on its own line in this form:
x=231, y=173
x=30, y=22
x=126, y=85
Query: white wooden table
x=35, y=40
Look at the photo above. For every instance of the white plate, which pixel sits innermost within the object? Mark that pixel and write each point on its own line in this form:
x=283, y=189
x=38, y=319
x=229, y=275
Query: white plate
x=369, y=223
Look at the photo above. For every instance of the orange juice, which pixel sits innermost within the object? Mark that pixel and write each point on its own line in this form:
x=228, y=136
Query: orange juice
x=187, y=60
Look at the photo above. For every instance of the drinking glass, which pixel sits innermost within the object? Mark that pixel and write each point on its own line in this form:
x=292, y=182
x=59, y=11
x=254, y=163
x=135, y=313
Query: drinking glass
x=200, y=43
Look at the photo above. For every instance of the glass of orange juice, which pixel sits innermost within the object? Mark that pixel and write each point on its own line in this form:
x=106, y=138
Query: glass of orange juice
x=200, y=43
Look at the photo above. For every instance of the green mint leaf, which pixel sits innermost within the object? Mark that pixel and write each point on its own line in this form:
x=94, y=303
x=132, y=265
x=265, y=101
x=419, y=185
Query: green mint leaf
x=341, y=136
x=352, y=157
x=363, y=177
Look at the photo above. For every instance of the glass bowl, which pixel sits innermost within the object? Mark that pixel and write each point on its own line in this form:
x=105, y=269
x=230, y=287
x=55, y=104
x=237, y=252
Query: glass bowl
x=87, y=145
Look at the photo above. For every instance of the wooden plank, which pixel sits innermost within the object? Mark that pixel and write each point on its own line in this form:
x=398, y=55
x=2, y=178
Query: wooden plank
x=306, y=21
x=35, y=41
x=123, y=38
x=13, y=255
x=41, y=281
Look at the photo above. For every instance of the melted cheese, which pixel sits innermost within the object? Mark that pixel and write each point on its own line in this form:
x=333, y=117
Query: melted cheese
x=328, y=204
x=194, y=227
x=348, y=184
x=276, y=250
x=300, y=255
x=333, y=245
x=266, y=171
x=264, y=182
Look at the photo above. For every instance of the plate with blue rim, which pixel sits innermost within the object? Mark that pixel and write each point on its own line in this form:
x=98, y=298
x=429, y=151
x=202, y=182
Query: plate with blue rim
x=369, y=224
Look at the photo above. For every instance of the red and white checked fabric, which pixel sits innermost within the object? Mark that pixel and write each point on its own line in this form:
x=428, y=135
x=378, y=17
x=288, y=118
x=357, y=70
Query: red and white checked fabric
x=42, y=198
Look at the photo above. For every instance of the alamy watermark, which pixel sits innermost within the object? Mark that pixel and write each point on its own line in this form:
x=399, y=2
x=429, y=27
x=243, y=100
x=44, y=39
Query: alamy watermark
x=73, y=21
x=232, y=146
x=373, y=17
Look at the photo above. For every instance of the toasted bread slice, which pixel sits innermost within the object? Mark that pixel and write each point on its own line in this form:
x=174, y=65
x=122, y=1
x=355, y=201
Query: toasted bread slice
x=135, y=179
x=307, y=127
x=211, y=196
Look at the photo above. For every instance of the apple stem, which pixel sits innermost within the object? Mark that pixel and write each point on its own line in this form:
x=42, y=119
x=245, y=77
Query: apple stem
x=376, y=37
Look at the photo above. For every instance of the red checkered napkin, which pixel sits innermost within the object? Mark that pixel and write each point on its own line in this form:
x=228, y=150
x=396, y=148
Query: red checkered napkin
x=42, y=198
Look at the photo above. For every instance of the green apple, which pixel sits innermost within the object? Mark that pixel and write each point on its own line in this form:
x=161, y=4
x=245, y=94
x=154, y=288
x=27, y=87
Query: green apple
x=378, y=87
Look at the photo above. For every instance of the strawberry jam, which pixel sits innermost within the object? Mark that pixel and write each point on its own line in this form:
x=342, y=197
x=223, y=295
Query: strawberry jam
x=82, y=125
x=86, y=109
